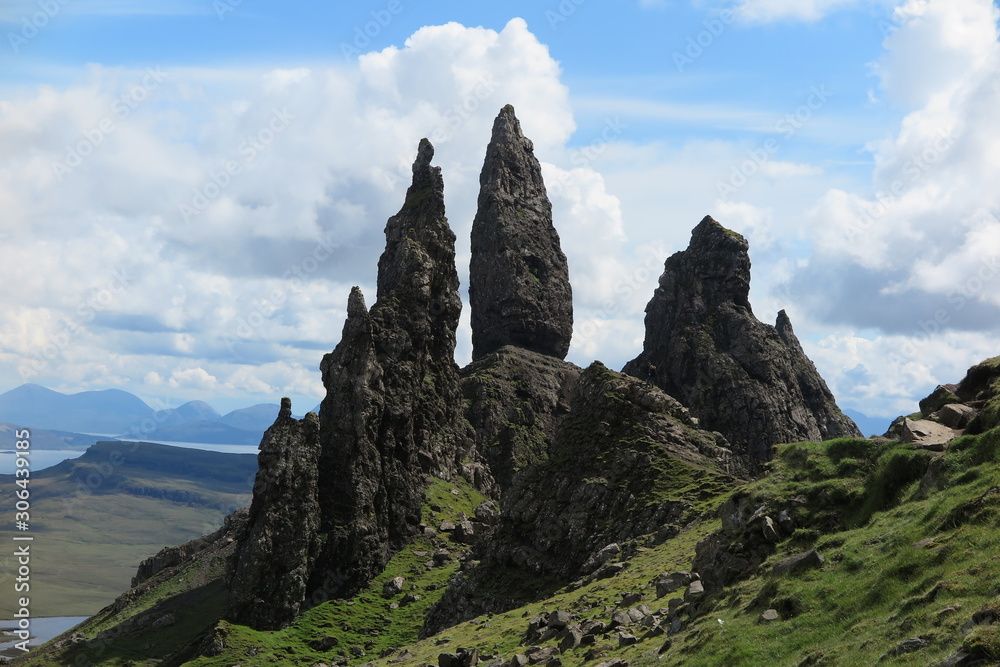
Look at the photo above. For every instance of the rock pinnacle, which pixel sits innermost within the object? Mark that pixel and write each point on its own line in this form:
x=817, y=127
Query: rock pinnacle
x=519, y=287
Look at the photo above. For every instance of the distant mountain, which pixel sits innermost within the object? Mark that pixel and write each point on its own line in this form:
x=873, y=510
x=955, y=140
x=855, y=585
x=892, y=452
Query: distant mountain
x=44, y=439
x=108, y=411
x=255, y=418
x=212, y=432
x=192, y=411
x=869, y=425
x=116, y=412
x=139, y=497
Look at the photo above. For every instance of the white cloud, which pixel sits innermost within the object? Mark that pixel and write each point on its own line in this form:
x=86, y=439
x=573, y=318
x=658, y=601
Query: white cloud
x=238, y=206
x=886, y=376
x=767, y=11
x=755, y=223
x=194, y=378
x=776, y=169
x=917, y=264
x=938, y=47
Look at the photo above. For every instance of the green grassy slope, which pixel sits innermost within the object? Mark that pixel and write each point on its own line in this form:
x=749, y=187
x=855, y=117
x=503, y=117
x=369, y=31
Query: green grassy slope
x=96, y=517
x=911, y=542
x=903, y=562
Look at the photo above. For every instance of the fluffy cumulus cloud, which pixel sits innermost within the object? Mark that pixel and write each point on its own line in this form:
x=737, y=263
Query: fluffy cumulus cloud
x=194, y=233
x=911, y=270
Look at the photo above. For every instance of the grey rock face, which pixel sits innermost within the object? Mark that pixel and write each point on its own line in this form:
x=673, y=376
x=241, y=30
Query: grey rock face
x=519, y=287
x=515, y=398
x=748, y=380
x=605, y=479
x=268, y=574
x=392, y=415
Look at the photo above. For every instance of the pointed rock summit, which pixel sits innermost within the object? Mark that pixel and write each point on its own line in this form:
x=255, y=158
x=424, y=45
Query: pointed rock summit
x=519, y=287
x=748, y=380
x=393, y=413
x=344, y=493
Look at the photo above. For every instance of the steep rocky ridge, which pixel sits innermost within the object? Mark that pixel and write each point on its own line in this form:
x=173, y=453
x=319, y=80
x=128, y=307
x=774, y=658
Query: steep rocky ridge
x=519, y=289
x=515, y=398
x=393, y=413
x=626, y=461
x=748, y=380
x=611, y=489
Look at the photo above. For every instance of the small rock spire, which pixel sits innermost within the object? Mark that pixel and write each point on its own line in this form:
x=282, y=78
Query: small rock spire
x=748, y=380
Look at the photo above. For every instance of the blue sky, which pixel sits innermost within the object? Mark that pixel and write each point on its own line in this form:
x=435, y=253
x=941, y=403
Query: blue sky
x=851, y=141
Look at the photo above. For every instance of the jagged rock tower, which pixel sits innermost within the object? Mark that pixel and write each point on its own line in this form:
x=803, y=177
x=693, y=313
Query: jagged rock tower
x=272, y=564
x=335, y=499
x=748, y=380
x=392, y=415
x=519, y=287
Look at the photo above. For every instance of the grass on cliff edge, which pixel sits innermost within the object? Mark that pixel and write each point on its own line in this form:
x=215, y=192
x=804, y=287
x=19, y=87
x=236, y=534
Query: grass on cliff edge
x=365, y=625
x=901, y=564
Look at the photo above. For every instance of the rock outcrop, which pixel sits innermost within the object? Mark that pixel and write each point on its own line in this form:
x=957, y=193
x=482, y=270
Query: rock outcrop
x=170, y=557
x=615, y=471
x=748, y=380
x=972, y=406
x=515, y=399
x=267, y=578
x=393, y=413
x=519, y=287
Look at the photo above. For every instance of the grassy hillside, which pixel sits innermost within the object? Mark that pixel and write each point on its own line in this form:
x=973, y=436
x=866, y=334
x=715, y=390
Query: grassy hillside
x=96, y=517
x=910, y=541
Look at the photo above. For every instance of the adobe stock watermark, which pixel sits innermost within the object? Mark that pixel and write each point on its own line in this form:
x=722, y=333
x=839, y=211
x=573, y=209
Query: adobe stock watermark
x=85, y=313
x=562, y=12
x=899, y=16
x=248, y=151
x=122, y=107
x=914, y=170
x=650, y=266
x=223, y=7
x=33, y=24
x=586, y=155
x=453, y=119
x=699, y=43
x=267, y=305
x=365, y=33
x=787, y=126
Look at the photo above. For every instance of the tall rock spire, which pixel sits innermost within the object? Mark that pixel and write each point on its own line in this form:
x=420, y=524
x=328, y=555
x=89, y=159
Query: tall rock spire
x=349, y=488
x=519, y=287
x=748, y=380
x=393, y=413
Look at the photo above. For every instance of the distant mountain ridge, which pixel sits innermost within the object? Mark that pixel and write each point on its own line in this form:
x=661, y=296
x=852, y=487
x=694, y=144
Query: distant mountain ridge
x=120, y=413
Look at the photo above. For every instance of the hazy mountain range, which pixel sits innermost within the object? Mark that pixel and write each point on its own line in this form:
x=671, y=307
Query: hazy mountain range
x=113, y=412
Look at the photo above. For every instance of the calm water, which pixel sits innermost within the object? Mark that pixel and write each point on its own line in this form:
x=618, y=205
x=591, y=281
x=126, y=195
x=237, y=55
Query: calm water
x=40, y=459
x=42, y=630
x=44, y=458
